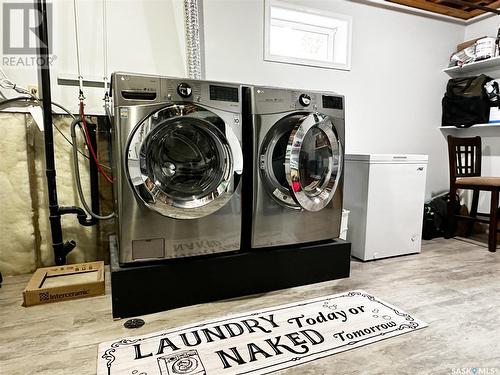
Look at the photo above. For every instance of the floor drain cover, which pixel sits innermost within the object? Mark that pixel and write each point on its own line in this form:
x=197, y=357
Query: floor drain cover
x=133, y=323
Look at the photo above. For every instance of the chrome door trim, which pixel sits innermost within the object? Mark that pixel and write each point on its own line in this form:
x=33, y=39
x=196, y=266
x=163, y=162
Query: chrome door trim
x=280, y=193
x=323, y=194
x=157, y=200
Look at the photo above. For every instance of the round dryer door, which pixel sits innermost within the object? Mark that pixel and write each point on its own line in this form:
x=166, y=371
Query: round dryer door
x=183, y=162
x=313, y=161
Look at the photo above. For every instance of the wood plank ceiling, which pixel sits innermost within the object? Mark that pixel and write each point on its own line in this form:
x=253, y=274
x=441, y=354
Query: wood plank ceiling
x=453, y=8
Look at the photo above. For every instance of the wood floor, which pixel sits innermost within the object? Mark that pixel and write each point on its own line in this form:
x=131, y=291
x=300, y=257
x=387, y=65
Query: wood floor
x=452, y=285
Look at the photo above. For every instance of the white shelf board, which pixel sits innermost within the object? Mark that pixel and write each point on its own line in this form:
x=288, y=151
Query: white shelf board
x=490, y=67
x=483, y=130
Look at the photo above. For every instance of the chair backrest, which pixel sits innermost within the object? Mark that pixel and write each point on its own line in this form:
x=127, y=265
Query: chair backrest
x=464, y=156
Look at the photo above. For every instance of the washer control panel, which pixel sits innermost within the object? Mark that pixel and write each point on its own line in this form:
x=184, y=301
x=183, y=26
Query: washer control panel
x=184, y=90
x=137, y=88
x=213, y=94
x=130, y=89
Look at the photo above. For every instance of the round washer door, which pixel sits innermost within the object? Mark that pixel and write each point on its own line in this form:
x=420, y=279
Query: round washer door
x=313, y=161
x=183, y=162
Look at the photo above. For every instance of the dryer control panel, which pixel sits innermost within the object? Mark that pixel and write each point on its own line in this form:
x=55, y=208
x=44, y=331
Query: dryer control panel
x=302, y=99
x=268, y=100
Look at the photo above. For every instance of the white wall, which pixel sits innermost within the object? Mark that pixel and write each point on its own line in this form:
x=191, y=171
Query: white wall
x=486, y=27
x=144, y=36
x=490, y=137
x=393, y=90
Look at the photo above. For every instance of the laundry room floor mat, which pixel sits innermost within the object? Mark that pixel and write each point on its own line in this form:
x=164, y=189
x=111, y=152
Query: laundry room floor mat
x=261, y=341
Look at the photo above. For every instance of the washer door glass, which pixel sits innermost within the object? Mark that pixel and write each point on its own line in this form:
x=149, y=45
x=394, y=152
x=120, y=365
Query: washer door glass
x=313, y=162
x=180, y=162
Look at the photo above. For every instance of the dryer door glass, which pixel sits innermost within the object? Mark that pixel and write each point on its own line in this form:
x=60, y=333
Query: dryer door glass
x=313, y=162
x=180, y=162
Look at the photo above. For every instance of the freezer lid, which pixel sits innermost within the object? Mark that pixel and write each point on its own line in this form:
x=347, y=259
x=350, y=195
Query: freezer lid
x=387, y=158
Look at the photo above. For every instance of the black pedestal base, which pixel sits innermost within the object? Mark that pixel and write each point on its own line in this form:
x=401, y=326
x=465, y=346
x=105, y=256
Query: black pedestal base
x=152, y=288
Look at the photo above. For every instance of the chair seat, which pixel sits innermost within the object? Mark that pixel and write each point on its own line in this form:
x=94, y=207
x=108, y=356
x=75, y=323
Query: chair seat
x=479, y=181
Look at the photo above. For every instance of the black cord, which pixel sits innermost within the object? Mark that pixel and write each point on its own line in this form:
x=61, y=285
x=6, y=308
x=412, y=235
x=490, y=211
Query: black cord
x=80, y=152
x=16, y=99
x=28, y=99
x=67, y=140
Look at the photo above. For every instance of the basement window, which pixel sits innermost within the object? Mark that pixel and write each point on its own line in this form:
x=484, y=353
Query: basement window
x=305, y=36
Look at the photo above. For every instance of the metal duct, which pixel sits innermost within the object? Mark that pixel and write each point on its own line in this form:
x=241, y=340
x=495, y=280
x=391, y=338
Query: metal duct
x=194, y=38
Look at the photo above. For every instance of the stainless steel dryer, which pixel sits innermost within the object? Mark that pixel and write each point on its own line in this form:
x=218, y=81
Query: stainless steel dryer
x=298, y=159
x=177, y=166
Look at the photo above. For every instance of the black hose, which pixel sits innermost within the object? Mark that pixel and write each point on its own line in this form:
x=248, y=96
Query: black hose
x=76, y=122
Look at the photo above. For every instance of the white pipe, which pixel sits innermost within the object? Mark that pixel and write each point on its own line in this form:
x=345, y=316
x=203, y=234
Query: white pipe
x=105, y=44
x=80, y=78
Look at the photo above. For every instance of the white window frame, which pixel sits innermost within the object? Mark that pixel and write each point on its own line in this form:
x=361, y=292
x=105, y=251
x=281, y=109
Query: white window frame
x=302, y=61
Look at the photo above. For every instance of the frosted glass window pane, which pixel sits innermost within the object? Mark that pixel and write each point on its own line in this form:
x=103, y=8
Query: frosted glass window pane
x=287, y=41
x=307, y=36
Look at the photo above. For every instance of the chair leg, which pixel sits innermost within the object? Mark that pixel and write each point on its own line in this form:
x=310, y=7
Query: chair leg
x=473, y=211
x=451, y=219
x=492, y=235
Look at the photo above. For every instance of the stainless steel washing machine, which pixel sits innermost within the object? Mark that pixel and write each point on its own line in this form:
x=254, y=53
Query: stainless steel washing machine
x=177, y=166
x=298, y=143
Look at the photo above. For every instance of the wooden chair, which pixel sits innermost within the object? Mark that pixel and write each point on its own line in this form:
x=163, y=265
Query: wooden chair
x=465, y=173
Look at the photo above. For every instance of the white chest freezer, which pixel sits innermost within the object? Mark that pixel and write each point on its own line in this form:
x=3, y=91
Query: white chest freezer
x=385, y=196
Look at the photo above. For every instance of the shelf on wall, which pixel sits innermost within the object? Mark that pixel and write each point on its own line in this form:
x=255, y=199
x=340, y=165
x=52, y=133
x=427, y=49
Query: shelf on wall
x=489, y=67
x=492, y=125
x=483, y=130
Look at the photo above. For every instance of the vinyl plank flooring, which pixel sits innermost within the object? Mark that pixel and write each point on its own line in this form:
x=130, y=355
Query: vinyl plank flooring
x=452, y=285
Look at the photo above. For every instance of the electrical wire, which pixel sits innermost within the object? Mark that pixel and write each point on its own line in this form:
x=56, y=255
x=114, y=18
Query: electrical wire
x=67, y=140
x=79, y=122
x=81, y=98
x=15, y=99
x=89, y=145
x=105, y=46
x=37, y=102
x=79, y=151
x=77, y=39
x=6, y=83
x=64, y=109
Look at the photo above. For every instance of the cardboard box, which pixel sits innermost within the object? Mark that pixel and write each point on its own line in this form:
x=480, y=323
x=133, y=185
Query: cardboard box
x=61, y=283
x=494, y=115
x=467, y=43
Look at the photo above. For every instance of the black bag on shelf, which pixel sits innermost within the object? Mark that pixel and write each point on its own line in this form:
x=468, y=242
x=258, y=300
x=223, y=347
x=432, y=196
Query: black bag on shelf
x=466, y=102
